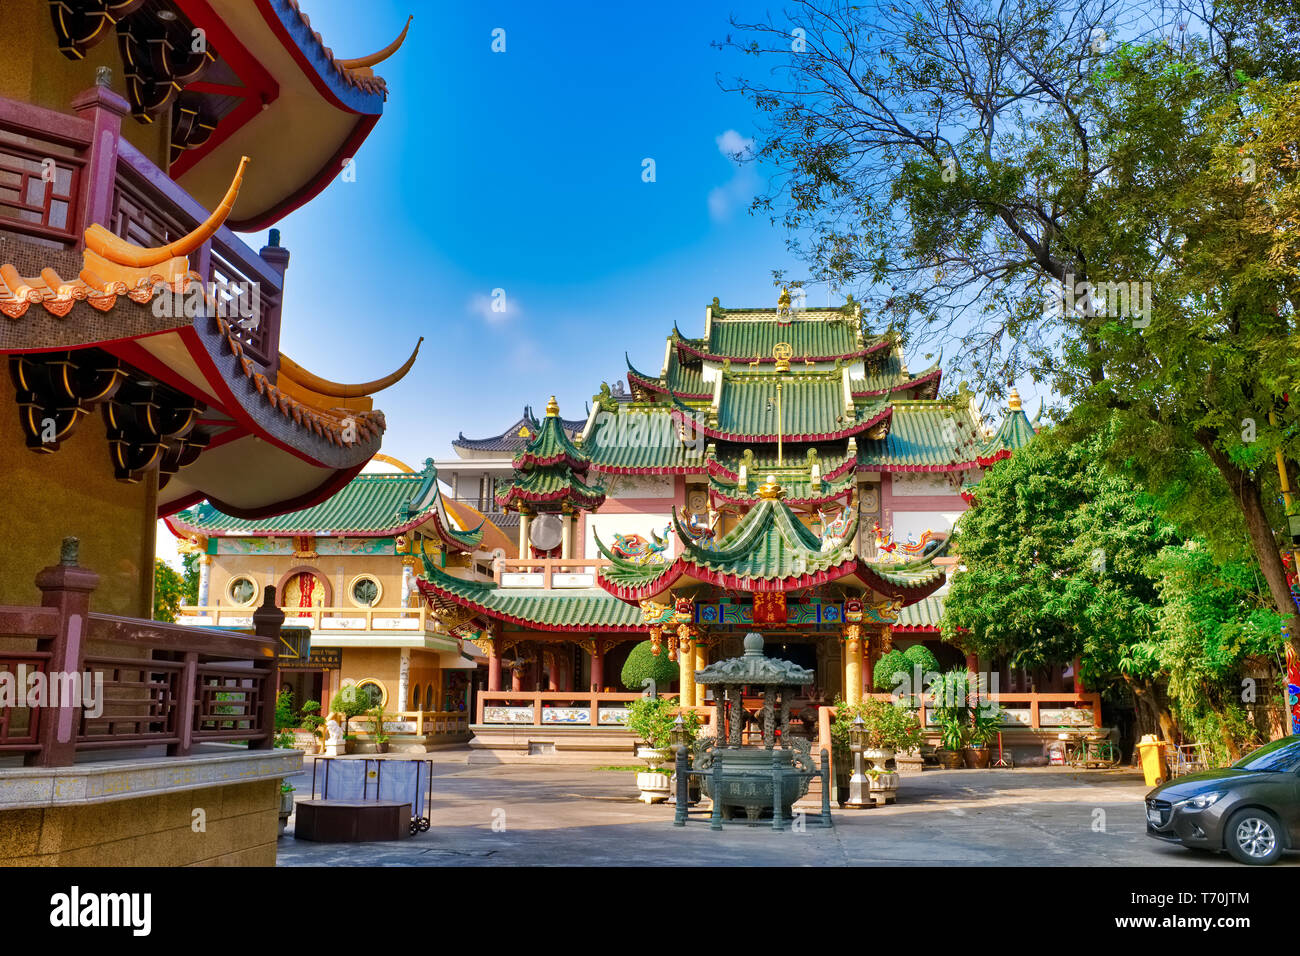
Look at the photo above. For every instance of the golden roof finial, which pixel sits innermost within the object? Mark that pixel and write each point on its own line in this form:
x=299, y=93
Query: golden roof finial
x=770, y=490
x=1013, y=401
x=552, y=408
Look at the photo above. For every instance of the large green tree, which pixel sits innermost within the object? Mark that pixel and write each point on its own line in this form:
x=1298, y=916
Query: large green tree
x=1063, y=558
x=1056, y=553
x=1059, y=186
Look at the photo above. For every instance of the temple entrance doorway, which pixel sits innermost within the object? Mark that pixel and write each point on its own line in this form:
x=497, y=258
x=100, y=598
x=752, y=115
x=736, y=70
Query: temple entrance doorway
x=799, y=652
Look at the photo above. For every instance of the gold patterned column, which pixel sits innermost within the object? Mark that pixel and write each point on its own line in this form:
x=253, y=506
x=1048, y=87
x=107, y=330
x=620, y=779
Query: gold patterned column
x=685, y=665
x=701, y=661
x=853, y=664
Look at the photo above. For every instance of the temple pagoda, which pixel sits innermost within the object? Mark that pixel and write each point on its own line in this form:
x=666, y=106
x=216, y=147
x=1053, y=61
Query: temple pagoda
x=785, y=471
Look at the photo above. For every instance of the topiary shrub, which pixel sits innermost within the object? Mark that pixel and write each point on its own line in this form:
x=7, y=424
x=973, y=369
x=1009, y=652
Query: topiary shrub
x=918, y=655
x=642, y=663
x=889, y=665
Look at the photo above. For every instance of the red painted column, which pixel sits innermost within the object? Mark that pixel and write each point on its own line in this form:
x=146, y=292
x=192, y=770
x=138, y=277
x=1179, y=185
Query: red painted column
x=105, y=109
x=494, y=667
x=1078, y=678
x=598, y=668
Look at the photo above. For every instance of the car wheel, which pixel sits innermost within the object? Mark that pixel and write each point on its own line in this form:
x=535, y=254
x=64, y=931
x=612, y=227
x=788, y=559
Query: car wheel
x=1253, y=836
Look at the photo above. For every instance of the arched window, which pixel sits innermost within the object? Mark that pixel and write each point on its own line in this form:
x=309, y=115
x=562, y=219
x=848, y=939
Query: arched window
x=428, y=697
x=415, y=697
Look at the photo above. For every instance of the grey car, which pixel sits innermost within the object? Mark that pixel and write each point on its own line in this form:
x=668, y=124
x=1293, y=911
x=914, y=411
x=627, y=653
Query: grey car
x=1251, y=809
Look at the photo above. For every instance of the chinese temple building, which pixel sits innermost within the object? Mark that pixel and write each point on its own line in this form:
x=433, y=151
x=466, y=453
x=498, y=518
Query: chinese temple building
x=784, y=472
x=142, y=341
x=344, y=572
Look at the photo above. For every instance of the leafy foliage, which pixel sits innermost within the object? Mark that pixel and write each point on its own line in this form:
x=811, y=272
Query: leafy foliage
x=168, y=592
x=642, y=663
x=889, y=725
x=965, y=161
x=652, y=719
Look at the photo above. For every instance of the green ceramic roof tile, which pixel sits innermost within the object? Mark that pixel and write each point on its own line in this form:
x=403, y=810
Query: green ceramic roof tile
x=577, y=608
x=686, y=379
x=370, y=504
x=551, y=471
x=768, y=542
x=641, y=437
x=922, y=434
x=1014, y=433
x=882, y=374
x=551, y=444
x=926, y=613
x=812, y=405
x=810, y=333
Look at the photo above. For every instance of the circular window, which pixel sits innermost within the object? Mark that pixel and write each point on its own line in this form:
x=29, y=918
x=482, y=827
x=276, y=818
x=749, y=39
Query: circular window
x=372, y=693
x=365, y=590
x=242, y=590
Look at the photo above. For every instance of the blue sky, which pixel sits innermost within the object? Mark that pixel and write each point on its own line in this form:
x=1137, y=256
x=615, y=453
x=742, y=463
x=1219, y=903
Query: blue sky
x=522, y=171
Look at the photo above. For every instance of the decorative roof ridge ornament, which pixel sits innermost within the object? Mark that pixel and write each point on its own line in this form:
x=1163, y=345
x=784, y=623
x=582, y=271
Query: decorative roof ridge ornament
x=1013, y=400
x=380, y=56
x=123, y=253
x=770, y=490
x=552, y=408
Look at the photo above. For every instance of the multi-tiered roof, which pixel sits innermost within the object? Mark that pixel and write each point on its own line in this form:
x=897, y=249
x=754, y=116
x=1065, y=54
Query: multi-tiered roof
x=551, y=472
x=848, y=404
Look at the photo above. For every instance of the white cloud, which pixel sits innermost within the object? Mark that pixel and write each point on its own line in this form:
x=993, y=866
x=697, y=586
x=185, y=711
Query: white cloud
x=737, y=192
x=734, y=146
x=494, y=309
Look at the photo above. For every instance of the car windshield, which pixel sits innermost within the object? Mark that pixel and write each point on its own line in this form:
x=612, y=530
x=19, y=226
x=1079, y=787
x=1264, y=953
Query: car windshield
x=1280, y=756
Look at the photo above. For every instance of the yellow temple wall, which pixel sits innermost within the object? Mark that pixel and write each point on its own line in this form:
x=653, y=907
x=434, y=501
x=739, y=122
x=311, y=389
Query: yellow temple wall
x=337, y=571
x=383, y=664
x=32, y=70
x=73, y=492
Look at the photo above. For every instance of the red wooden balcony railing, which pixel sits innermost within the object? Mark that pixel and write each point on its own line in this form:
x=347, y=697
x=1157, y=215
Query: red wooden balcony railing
x=161, y=683
x=61, y=172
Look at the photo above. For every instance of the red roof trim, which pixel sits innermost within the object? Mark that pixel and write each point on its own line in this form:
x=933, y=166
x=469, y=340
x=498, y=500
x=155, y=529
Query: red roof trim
x=653, y=385
x=679, y=415
x=814, y=500
x=667, y=470
x=903, y=386
x=768, y=360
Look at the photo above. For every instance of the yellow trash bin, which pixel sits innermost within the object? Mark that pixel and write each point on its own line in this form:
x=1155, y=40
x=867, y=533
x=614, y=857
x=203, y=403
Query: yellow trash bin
x=1153, y=760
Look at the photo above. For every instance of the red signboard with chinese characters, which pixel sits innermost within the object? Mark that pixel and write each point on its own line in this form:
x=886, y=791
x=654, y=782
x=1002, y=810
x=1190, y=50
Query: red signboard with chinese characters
x=769, y=608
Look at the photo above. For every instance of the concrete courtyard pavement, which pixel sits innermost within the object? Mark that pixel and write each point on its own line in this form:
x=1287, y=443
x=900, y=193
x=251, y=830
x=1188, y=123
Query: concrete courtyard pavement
x=564, y=816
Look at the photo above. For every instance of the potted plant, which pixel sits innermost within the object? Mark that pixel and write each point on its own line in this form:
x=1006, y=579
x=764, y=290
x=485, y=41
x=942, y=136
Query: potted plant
x=652, y=720
x=985, y=719
x=376, y=714
x=889, y=727
x=948, y=701
x=952, y=740
x=286, y=802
